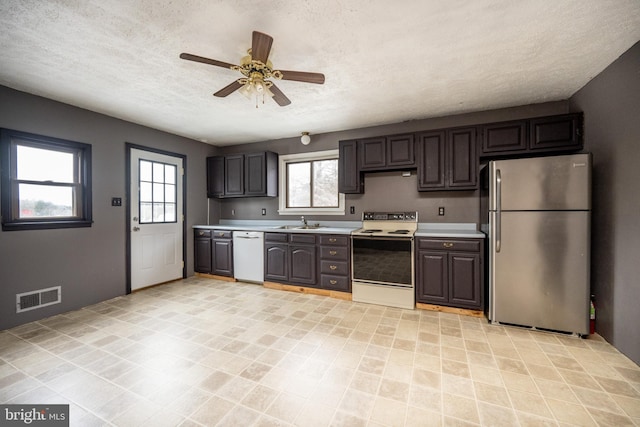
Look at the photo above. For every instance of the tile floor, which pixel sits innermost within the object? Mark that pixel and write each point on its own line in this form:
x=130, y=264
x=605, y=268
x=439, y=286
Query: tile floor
x=206, y=352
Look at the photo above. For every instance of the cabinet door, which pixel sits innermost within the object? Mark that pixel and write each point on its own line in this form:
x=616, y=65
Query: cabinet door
x=302, y=268
x=557, y=132
x=464, y=280
x=215, y=176
x=276, y=262
x=349, y=177
x=462, y=162
x=255, y=174
x=400, y=151
x=222, y=257
x=234, y=175
x=372, y=153
x=430, y=149
x=504, y=137
x=202, y=255
x=432, y=281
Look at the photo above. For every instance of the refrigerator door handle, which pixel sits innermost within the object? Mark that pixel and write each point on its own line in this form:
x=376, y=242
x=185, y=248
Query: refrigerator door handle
x=498, y=207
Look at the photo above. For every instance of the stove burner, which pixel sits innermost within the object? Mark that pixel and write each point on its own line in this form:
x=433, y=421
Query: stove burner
x=370, y=231
x=399, y=232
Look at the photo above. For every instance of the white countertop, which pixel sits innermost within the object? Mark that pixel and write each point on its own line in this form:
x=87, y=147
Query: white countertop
x=460, y=230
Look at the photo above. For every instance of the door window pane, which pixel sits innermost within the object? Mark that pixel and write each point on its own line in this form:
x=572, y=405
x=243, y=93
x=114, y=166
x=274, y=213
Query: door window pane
x=157, y=183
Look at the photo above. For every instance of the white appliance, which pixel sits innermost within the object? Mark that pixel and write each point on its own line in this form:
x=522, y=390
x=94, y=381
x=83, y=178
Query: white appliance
x=537, y=212
x=382, y=261
x=248, y=256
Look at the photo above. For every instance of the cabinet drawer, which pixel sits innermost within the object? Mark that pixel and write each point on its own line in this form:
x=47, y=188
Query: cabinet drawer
x=202, y=233
x=221, y=234
x=276, y=237
x=450, y=244
x=302, y=238
x=340, y=268
x=339, y=283
x=338, y=253
x=334, y=240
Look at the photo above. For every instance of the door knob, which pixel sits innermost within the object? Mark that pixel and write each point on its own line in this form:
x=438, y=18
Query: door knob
x=136, y=228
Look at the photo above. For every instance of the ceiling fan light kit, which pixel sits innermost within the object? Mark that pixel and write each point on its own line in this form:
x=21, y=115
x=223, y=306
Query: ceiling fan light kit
x=257, y=69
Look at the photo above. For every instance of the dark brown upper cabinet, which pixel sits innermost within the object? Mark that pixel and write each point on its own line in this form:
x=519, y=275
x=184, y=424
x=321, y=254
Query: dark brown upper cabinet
x=243, y=175
x=556, y=132
x=215, y=176
x=386, y=153
x=447, y=160
x=505, y=136
x=430, y=148
x=553, y=134
x=349, y=177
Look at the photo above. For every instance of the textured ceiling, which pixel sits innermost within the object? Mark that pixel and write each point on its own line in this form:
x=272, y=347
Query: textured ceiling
x=384, y=61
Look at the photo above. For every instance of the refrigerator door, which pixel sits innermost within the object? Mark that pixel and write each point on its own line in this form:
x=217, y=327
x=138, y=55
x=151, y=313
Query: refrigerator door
x=541, y=183
x=540, y=276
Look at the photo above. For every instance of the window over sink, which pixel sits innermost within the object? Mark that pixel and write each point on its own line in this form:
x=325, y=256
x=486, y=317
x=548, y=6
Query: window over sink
x=309, y=184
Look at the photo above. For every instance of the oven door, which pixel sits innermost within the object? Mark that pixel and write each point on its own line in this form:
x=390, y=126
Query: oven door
x=382, y=260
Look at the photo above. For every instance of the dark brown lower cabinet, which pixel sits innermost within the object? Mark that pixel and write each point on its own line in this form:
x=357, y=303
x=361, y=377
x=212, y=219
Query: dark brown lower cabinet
x=202, y=251
x=290, y=258
x=213, y=252
x=222, y=253
x=449, y=272
x=334, y=259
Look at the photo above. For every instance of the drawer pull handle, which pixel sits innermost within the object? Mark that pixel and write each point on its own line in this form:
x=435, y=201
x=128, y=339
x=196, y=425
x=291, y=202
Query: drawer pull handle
x=333, y=267
x=200, y=233
x=333, y=282
x=447, y=245
x=332, y=240
x=333, y=252
x=221, y=234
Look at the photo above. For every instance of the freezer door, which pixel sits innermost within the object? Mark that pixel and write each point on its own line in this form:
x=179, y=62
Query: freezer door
x=541, y=183
x=540, y=276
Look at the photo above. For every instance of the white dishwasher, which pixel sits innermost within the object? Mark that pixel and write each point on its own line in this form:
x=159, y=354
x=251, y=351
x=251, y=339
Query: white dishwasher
x=248, y=258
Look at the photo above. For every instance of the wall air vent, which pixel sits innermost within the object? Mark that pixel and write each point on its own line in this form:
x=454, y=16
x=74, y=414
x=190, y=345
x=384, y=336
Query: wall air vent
x=37, y=299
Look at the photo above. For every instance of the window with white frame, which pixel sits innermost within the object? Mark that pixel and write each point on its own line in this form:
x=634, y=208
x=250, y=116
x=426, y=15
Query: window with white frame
x=309, y=184
x=46, y=182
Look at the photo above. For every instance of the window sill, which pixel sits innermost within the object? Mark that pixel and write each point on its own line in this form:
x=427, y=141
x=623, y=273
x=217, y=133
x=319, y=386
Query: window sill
x=44, y=225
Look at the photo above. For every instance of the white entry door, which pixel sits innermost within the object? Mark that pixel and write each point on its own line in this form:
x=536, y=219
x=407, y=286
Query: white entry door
x=156, y=218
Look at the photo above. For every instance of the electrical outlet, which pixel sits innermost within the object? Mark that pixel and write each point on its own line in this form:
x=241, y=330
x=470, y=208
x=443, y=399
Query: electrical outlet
x=116, y=201
x=264, y=211
x=233, y=212
x=352, y=210
x=441, y=211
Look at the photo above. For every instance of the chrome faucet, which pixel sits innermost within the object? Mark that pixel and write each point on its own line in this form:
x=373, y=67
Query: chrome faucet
x=304, y=221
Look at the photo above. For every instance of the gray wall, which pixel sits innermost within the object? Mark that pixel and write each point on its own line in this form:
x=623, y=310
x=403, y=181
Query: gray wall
x=384, y=191
x=611, y=106
x=89, y=263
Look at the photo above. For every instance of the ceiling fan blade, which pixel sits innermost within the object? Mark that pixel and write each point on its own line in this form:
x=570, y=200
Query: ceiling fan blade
x=228, y=90
x=261, y=46
x=300, y=76
x=278, y=96
x=196, y=58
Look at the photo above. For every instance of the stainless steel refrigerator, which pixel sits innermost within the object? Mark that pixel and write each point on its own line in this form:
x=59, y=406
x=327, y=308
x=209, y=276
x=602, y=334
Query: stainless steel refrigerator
x=537, y=213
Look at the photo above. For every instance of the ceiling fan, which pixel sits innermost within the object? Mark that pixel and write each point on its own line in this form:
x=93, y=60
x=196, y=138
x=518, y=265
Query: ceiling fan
x=257, y=69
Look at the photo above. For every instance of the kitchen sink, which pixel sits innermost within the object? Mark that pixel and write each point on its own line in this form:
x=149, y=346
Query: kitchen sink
x=299, y=227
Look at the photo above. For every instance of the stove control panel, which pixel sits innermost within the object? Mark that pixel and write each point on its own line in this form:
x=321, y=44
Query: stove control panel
x=390, y=216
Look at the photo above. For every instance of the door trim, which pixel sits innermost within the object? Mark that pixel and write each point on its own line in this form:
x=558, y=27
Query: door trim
x=129, y=146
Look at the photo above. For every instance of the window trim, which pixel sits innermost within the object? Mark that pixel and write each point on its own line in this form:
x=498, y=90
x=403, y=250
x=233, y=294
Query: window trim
x=8, y=180
x=283, y=160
